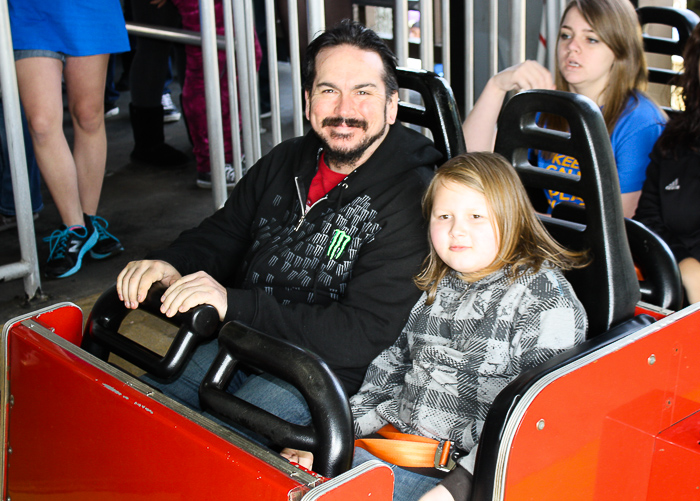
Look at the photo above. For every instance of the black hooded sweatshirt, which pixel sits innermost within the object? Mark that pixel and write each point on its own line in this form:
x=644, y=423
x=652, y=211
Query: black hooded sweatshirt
x=336, y=280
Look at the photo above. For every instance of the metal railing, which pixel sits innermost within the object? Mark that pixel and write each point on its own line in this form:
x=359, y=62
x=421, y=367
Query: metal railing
x=28, y=265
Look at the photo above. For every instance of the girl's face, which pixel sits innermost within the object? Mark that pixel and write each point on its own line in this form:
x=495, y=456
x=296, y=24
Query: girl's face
x=584, y=61
x=462, y=229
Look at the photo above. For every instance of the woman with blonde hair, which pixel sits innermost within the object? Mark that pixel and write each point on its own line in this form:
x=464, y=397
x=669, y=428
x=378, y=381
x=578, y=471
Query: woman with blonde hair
x=599, y=55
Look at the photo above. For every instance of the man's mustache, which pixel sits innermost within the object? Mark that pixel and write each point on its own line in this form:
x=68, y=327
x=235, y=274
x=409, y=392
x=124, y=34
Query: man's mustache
x=350, y=122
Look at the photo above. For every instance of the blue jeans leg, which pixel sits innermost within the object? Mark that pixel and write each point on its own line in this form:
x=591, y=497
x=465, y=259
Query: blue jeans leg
x=185, y=389
x=276, y=397
x=408, y=486
x=7, y=198
x=265, y=391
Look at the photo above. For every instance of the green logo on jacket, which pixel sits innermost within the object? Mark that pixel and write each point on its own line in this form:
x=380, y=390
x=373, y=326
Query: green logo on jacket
x=338, y=244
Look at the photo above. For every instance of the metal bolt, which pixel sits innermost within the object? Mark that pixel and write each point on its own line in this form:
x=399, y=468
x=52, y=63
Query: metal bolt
x=540, y=424
x=652, y=359
x=9, y=450
x=12, y=400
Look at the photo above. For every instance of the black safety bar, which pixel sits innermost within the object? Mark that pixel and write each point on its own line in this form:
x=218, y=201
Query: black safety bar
x=330, y=436
x=102, y=335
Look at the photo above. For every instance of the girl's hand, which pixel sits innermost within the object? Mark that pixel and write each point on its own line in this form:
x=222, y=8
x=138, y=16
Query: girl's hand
x=437, y=493
x=304, y=458
x=524, y=76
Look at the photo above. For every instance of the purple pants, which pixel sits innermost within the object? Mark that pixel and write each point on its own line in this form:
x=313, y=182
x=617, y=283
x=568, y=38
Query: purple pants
x=193, y=101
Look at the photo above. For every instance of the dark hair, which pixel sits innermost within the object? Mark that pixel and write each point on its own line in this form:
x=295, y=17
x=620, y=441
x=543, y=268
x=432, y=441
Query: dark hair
x=683, y=130
x=348, y=32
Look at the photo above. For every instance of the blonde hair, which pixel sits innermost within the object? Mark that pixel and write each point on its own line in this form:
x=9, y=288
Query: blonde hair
x=524, y=244
x=617, y=25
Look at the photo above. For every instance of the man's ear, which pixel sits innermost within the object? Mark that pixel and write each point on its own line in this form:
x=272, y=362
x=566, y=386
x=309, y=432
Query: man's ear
x=392, y=108
x=307, y=105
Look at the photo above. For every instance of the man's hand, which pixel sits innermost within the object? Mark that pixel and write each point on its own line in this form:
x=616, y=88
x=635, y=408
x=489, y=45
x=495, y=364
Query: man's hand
x=304, y=458
x=193, y=290
x=136, y=279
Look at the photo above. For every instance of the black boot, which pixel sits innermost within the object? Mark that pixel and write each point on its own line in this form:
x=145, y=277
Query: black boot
x=149, y=139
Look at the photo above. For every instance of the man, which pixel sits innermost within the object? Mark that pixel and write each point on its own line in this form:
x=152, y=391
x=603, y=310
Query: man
x=318, y=243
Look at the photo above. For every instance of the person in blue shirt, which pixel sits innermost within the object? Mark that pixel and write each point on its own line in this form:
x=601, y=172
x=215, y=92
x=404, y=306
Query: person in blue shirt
x=599, y=55
x=68, y=42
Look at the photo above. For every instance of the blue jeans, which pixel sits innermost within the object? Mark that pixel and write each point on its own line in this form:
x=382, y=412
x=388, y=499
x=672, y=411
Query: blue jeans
x=265, y=391
x=408, y=486
x=7, y=197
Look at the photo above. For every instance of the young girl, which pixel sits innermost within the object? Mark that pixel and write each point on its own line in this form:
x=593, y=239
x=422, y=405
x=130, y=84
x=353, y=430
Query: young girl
x=495, y=303
x=599, y=55
x=669, y=199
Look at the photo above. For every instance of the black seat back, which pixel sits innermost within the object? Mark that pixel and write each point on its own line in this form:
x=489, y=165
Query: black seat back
x=683, y=21
x=439, y=112
x=608, y=287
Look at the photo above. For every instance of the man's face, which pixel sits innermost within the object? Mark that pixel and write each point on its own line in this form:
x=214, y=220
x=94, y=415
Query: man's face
x=348, y=107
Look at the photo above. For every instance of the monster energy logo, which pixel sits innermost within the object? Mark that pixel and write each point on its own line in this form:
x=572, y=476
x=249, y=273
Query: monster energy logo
x=338, y=244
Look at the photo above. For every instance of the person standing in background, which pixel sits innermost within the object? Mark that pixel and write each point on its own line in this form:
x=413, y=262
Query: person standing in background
x=69, y=41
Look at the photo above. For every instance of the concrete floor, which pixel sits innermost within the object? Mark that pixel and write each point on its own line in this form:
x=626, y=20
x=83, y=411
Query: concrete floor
x=146, y=209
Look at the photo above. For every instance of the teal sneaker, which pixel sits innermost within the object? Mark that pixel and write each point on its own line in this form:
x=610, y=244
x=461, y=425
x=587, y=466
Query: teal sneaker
x=67, y=247
x=107, y=244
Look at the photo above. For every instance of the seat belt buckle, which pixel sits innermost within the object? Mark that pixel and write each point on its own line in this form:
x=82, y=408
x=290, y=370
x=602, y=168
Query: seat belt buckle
x=443, y=456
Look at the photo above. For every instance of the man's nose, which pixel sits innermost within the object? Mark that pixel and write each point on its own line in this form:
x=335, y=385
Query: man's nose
x=344, y=105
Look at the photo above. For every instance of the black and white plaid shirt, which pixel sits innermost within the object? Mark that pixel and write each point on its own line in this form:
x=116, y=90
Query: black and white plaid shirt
x=454, y=356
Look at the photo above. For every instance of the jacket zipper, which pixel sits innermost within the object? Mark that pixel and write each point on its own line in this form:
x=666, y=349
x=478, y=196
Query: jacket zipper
x=304, y=209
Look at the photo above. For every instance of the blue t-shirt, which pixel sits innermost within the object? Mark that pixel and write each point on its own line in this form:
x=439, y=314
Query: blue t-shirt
x=73, y=27
x=633, y=138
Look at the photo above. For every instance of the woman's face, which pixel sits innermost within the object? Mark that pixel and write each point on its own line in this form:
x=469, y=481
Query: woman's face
x=462, y=228
x=584, y=60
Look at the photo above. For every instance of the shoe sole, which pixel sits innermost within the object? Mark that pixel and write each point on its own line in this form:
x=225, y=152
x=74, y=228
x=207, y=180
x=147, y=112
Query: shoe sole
x=171, y=118
x=95, y=255
x=12, y=225
x=88, y=245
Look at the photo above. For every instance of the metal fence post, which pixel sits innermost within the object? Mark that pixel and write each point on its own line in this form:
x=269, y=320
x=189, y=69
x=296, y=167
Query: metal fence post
x=28, y=267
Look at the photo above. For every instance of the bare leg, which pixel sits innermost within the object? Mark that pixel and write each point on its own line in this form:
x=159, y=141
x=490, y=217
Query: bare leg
x=690, y=275
x=85, y=83
x=39, y=81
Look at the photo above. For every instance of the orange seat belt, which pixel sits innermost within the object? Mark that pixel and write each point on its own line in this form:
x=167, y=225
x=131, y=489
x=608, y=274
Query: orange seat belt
x=410, y=451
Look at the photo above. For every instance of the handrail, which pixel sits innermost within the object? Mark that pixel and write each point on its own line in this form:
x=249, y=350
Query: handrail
x=28, y=267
